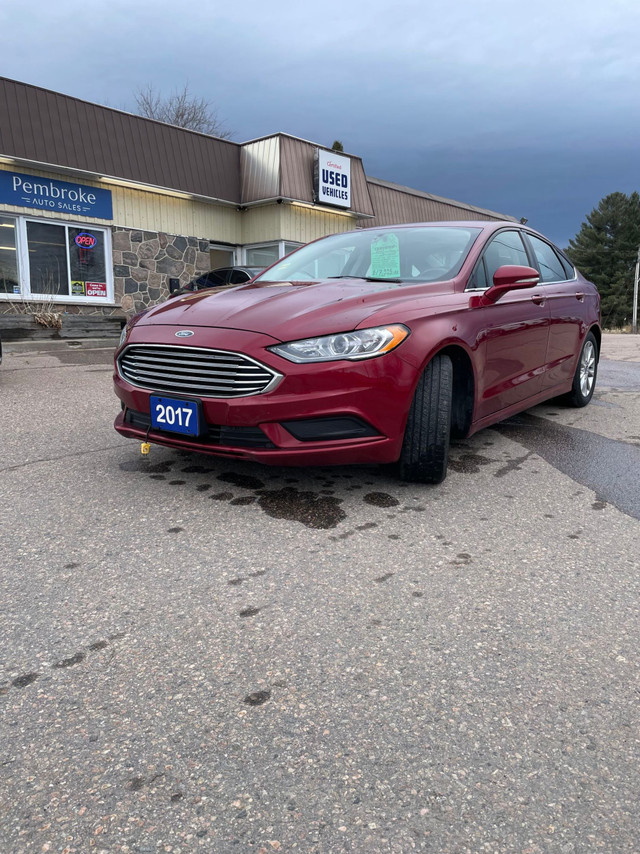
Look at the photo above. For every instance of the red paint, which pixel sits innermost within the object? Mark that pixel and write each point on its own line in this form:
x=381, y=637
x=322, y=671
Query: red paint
x=522, y=345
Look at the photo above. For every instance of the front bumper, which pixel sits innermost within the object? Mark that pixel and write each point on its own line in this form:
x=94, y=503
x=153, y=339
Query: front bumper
x=375, y=393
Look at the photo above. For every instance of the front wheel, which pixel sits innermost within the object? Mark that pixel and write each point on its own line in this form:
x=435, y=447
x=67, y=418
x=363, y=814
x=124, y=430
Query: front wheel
x=425, y=450
x=584, y=379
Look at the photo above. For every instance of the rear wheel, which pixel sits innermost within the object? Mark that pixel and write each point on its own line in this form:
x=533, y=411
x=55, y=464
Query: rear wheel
x=584, y=379
x=425, y=450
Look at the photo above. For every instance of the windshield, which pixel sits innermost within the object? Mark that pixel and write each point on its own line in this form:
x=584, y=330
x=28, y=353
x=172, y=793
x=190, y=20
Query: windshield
x=403, y=255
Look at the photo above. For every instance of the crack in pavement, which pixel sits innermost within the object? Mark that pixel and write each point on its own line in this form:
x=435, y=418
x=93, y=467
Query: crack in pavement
x=61, y=457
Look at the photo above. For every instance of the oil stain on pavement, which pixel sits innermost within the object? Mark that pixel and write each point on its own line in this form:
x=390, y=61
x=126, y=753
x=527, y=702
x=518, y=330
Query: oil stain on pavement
x=27, y=679
x=310, y=508
x=319, y=509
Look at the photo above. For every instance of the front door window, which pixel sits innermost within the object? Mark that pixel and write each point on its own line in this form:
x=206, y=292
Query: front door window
x=505, y=248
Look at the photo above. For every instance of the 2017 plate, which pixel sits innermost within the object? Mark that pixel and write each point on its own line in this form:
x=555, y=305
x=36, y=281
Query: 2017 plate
x=174, y=415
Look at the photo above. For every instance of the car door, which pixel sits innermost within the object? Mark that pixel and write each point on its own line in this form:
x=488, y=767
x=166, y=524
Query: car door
x=511, y=333
x=566, y=310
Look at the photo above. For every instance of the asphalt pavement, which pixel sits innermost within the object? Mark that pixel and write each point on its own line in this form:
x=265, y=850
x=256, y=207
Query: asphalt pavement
x=206, y=655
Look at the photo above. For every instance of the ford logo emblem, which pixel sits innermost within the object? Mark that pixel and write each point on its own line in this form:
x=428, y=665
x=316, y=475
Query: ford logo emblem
x=184, y=333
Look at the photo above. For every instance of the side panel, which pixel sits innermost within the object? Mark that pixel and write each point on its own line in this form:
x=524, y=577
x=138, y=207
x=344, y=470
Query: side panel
x=506, y=342
x=573, y=309
x=513, y=334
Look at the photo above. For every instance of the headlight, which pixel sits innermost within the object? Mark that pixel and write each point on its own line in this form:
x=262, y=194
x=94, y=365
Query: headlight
x=361, y=344
x=123, y=335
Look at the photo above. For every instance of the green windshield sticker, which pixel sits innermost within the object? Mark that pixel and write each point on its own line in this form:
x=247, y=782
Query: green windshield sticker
x=385, y=257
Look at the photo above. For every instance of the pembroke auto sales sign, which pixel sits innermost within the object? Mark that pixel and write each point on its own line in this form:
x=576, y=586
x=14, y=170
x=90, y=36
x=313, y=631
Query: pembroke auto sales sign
x=332, y=174
x=51, y=195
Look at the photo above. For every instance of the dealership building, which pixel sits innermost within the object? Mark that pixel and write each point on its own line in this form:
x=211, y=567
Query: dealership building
x=102, y=212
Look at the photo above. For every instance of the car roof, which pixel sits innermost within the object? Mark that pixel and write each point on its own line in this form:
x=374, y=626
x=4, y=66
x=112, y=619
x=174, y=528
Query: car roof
x=456, y=223
x=232, y=267
x=484, y=224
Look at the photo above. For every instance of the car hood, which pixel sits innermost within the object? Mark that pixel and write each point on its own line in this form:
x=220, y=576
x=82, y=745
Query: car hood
x=291, y=311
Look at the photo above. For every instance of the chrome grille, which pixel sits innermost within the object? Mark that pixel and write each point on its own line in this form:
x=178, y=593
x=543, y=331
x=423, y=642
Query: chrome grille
x=194, y=371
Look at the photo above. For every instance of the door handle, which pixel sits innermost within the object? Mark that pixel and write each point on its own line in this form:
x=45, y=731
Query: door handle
x=539, y=299
x=580, y=296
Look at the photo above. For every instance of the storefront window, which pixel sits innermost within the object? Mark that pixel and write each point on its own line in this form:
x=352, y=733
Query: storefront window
x=48, y=269
x=9, y=281
x=61, y=262
x=87, y=262
x=267, y=253
x=263, y=256
x=221, y=256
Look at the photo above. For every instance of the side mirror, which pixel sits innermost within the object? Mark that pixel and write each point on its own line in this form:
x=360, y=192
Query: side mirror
x=510, y=277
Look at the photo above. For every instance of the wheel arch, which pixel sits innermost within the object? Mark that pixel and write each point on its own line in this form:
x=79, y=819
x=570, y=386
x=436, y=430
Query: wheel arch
x=463, y=390
x=597, y=334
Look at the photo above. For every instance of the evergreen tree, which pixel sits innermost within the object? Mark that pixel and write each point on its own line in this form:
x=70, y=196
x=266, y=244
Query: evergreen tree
x=605, y=251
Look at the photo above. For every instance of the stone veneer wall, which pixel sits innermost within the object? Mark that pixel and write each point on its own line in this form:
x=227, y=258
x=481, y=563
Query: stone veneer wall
x=144, y=261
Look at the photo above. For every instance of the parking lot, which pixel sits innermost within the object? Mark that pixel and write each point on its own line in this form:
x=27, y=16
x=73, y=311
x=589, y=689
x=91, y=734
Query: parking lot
x=200, y=654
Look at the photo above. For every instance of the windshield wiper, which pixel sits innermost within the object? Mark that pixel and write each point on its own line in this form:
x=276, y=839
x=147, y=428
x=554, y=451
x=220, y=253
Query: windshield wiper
x=368, y=279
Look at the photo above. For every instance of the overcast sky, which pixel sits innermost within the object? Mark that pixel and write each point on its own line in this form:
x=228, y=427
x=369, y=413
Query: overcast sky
x=529, y=109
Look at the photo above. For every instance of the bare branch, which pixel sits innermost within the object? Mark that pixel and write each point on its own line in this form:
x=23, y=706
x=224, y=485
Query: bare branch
x=181, y=108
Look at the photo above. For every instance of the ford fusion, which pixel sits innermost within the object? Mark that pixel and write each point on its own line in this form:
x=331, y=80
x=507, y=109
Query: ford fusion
x=374, y=346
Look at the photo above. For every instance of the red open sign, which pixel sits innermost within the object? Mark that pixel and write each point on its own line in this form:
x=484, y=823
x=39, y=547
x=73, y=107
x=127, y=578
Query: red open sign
x=86, y=240
x=96, y=289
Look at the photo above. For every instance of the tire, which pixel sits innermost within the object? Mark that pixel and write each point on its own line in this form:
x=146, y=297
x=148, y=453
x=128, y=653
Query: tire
x=584, y=379
x=425, y=449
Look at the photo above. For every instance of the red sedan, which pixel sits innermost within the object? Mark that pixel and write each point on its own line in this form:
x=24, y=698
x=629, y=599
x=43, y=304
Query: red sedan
x=373, y=346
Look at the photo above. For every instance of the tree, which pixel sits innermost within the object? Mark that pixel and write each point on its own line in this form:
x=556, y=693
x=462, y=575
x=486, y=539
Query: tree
x=182, y=109
x=605, y=251
x=337, y=145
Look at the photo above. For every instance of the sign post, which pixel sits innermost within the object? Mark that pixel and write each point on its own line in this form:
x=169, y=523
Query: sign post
x=634, y=322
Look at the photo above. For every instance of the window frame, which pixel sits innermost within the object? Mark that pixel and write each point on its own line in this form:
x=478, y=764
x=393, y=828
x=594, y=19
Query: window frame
x=232, y=248
x=6, y=294
x=527, y=248
x=291, y=243
x=560, y=256
x=282, y=252
x=24, y=271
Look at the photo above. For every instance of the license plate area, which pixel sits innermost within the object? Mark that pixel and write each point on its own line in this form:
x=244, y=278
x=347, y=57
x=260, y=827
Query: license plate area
x=175, y=415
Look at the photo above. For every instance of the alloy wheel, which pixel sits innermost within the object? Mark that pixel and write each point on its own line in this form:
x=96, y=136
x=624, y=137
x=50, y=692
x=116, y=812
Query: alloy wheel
x=587, y=368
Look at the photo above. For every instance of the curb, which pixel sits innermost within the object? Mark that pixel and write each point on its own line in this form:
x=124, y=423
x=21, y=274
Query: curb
x=10, y=348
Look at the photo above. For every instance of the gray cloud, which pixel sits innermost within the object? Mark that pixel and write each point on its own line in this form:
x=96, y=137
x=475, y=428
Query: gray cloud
x=528, y=109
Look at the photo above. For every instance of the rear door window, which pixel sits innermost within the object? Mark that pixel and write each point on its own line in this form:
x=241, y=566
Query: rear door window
x=214, y=279
x=548, y=262
x=569, y=269
x=238, y=277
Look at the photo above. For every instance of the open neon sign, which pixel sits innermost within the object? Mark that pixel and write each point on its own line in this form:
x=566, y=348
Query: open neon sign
x=85, y=240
